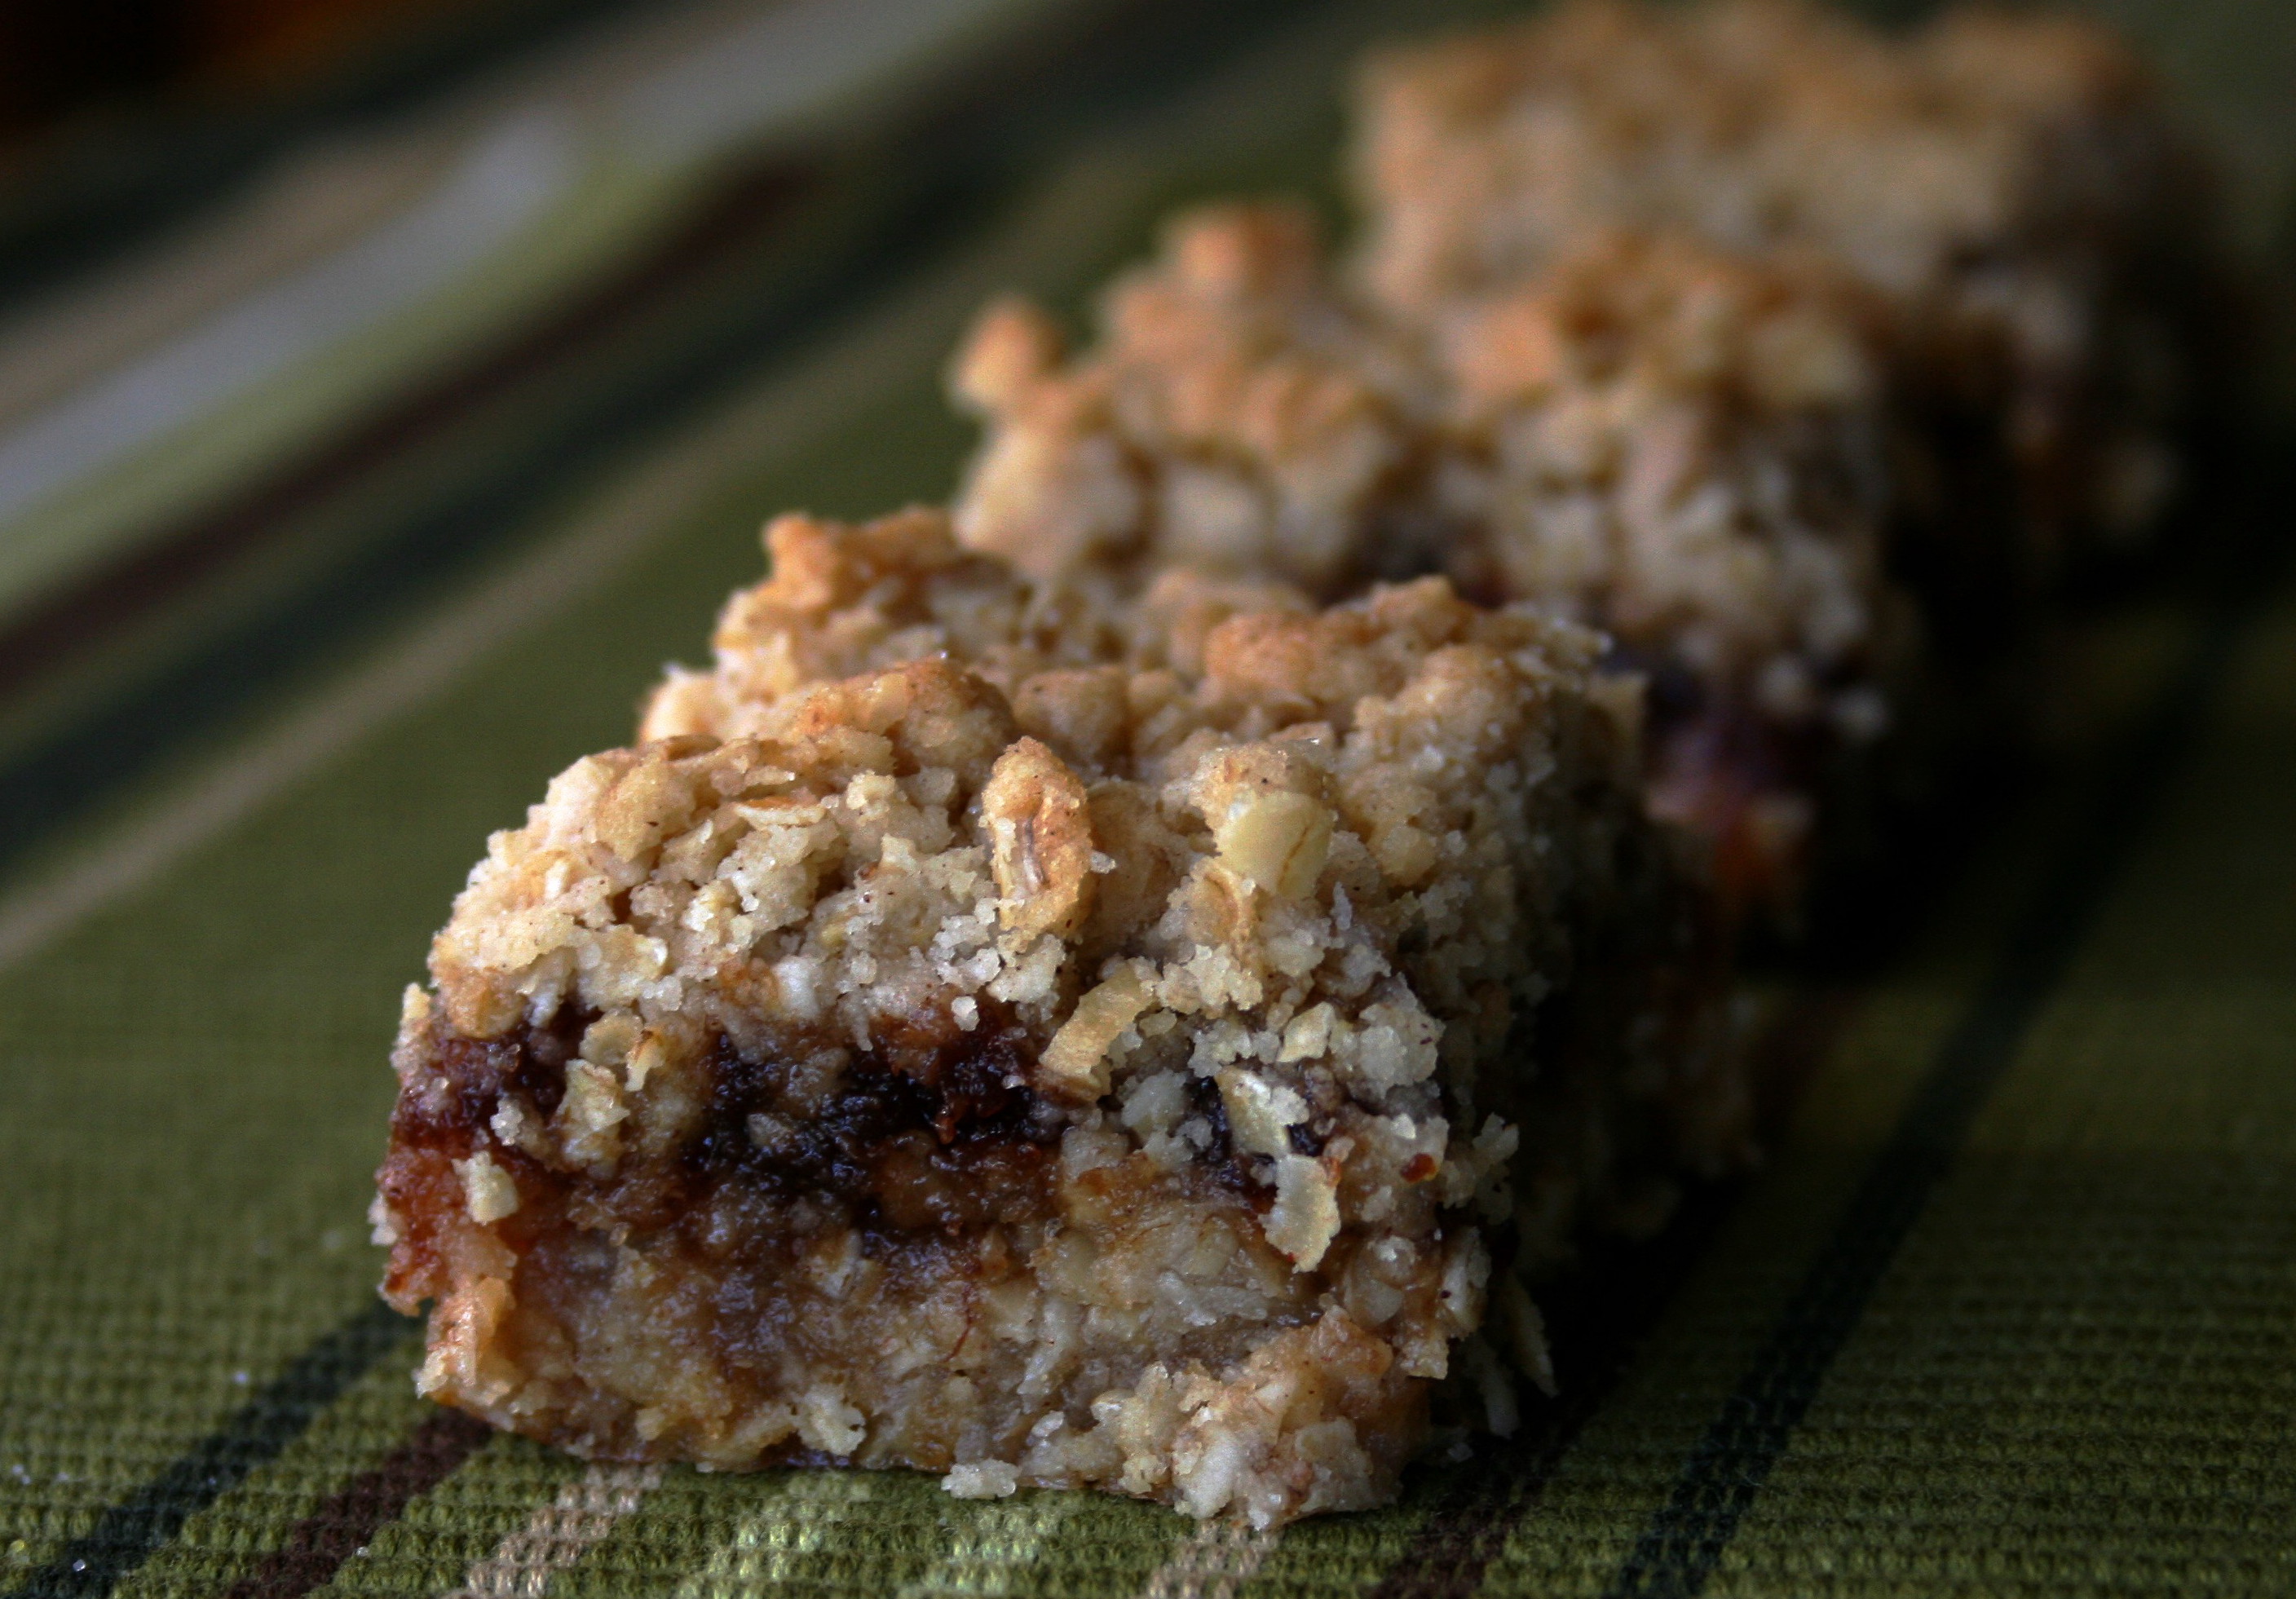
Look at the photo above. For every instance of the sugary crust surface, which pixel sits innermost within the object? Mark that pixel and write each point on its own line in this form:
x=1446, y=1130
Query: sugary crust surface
x=1132, y=1104
x=2011, y=183
x=1680, y=446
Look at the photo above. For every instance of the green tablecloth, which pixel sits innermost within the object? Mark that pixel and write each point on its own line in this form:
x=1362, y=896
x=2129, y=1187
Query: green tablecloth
x=2012, y=1308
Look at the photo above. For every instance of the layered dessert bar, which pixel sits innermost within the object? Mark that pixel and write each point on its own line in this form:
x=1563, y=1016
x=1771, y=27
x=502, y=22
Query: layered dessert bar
x=1689, y=450
x=1041, y=1039
x=2011, y=183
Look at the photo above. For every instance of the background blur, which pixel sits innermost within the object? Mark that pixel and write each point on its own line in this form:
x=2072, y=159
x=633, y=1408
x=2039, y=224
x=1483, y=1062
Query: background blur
x=152, y=103
x=388, y=387
x=62, y=58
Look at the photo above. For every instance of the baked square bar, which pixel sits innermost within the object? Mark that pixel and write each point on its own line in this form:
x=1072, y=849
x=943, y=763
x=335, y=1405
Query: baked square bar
x=1684, y=448
x=2012, y=185
x=1170, y=1099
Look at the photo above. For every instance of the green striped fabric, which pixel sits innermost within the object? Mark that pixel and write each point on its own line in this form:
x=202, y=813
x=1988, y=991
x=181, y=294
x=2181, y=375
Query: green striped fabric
x=2011, y=1308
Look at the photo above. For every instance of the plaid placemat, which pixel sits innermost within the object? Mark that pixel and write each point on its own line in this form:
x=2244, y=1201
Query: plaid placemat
x=2012, y=1308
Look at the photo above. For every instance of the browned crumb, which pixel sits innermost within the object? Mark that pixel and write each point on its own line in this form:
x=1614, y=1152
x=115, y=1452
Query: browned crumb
x=1133, y=1103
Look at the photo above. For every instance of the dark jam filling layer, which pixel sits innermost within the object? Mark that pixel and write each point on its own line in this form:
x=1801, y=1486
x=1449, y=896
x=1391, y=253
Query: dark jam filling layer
x=965, y=1099
x=956, y=1142
x=931, y=1137
x=951, y=1141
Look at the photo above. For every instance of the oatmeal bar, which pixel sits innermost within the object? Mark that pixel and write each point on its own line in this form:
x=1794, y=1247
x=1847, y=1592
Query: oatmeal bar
x=1153, y=1078
x=2012, y=184
x=1681, y=448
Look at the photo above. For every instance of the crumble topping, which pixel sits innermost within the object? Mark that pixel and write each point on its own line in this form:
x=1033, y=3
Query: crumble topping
x=1684, y=448
x=2011, y=185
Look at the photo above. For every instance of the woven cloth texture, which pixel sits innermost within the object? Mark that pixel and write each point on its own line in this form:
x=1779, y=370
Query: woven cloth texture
x=2010, y=1308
